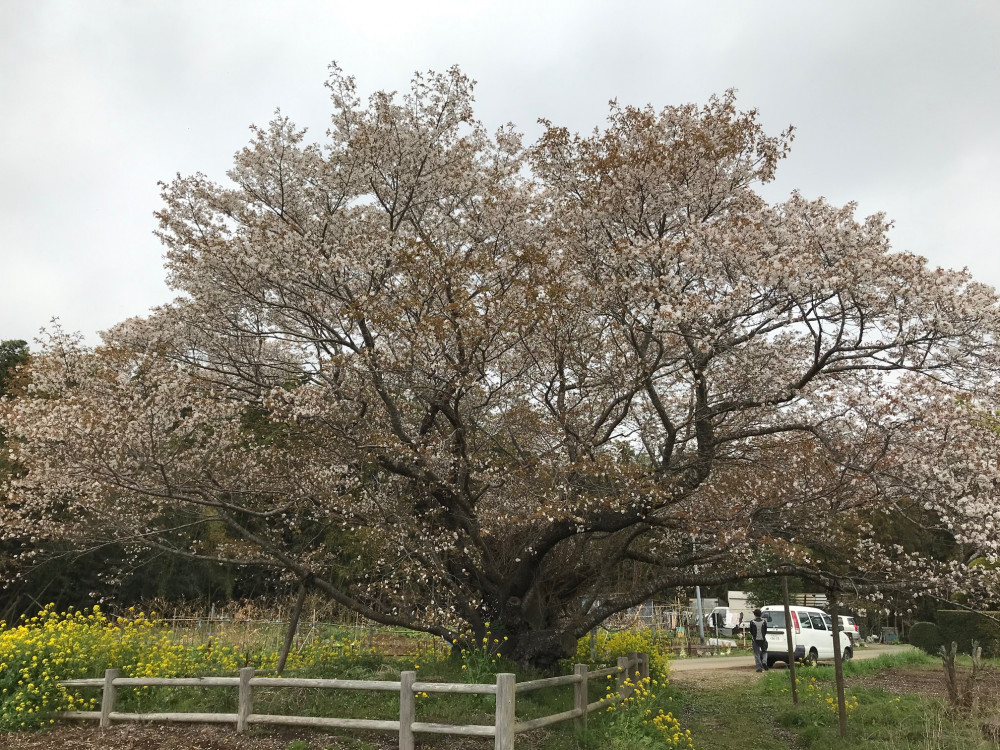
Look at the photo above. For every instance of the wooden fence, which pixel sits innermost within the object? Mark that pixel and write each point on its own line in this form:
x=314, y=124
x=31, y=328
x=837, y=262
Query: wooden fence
x=504, y=728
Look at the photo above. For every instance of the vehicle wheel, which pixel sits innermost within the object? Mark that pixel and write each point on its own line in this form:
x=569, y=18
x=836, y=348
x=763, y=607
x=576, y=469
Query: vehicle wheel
x=848, y=653
x=770, y=663
x=812, y=658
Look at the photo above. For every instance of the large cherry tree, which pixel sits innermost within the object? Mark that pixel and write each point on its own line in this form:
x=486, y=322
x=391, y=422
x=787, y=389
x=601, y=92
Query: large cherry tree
x=454, y=381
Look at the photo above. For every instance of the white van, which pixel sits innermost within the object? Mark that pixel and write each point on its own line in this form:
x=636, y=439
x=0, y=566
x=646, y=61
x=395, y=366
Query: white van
x=812, y=635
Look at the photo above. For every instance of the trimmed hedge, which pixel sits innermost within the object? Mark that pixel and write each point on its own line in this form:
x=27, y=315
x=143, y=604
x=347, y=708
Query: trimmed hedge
x=927, y=637
x=964, y=627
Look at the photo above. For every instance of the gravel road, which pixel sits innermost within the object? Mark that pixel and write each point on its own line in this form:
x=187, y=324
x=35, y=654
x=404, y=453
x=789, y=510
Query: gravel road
x=711, y=663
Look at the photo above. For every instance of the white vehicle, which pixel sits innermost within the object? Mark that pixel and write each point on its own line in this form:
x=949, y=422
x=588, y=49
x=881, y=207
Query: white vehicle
x=733, y=618
x=812, y=635
x=849, y=626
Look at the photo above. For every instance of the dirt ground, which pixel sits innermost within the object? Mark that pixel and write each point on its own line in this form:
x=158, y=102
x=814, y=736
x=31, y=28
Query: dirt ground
x=176, y=737
x=199, y=737
x=714, y=678
x=900, y=680
x=896, y=680
x=222, y=737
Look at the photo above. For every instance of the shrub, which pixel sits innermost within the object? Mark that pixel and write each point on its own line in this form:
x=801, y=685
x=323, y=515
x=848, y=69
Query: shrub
x=964, y=627
x=641, y=720
x=610, y=645
x=927, y=637
x=51, y=646
x=40, y=651
x=633, y=723
x=482, y=661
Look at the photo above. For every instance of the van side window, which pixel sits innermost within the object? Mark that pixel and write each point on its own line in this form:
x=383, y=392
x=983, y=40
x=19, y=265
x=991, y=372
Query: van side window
x=804, y=620
x=817, y=621
x=829, y=622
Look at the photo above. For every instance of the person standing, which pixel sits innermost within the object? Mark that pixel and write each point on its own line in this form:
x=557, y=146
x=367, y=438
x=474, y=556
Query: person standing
x=758, y=641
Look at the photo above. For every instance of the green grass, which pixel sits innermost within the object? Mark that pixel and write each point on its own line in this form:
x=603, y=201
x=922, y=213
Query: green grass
x=623, y=729
x=762, y=714
x=759, y=714
x=435, y=707
x=723, y=719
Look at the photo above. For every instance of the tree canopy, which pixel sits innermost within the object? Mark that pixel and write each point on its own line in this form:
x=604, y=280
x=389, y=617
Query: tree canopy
x=456, y=381
x=13, y=354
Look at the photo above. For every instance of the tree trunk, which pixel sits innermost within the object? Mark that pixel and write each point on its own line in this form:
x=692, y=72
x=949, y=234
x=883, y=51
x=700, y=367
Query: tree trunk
x=532, y=643
x=541, y=649
x=293, y=624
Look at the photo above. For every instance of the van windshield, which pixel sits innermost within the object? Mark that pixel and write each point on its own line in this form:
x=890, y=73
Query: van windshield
x=774, y=619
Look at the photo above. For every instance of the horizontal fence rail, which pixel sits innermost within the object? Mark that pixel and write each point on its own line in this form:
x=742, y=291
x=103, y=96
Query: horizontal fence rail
x=504, y=729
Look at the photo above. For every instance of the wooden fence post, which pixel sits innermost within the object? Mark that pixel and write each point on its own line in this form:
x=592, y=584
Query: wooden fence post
x=580, y=696
x=407, y=709
x=108, y=697
x=643, y=666
x=505, y=717
x=623, y=690
x=245, y=705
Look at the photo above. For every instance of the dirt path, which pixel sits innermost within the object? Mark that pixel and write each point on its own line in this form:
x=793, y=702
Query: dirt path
x=177, y=737
x=733, y=671
x=745, y=663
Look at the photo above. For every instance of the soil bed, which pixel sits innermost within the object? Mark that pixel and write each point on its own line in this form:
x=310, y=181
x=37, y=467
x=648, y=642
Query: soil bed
x=211, y=737
x=924, y=681
x=178, y=737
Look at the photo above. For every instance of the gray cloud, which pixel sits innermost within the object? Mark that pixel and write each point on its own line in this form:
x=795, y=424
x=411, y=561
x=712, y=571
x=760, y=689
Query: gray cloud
x=897, y=105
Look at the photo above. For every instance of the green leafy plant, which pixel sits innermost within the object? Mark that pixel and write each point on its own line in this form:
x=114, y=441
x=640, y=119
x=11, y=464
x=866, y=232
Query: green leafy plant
x=964, y=627
x=481, y=660
x=636, y=721
x=927, y=637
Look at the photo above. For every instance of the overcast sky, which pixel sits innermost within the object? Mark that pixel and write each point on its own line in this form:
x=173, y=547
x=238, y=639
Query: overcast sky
x=896, y=105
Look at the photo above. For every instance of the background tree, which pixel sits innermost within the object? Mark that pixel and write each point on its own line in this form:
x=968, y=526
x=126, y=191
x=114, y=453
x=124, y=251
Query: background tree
x=13, y=357
x=13, y=354
x=36, y=570
x=454, y=381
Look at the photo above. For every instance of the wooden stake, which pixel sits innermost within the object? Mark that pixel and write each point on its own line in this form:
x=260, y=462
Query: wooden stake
x=505, y=716
x=245, y=704
x=838, y=662
x=407, y=709
x=580, y=696
x=788, y=640
x=108, y=697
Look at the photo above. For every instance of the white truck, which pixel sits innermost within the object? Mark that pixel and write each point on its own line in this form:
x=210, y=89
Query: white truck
x=732, y=618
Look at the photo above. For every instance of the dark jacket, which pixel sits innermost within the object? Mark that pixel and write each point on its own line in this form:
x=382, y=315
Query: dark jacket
x=758, y=629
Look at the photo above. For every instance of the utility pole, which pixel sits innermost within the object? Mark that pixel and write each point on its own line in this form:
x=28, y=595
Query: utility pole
x=697, y=595
x=701, y=615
